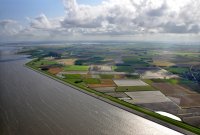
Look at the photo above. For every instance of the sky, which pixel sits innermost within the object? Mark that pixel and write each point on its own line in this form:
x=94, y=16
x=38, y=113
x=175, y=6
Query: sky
x=157, y=20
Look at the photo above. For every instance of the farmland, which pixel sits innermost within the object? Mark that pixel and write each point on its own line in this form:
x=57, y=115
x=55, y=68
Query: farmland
x=170, y=89
x=75, y=68
x=133, y=82
x=135, y=88
x=159, y=79
x=178, y=70
x=147, y=97
x=163, y=63
x=55, y=70
x=39, y=63
x=123, y=68
x=66, y=61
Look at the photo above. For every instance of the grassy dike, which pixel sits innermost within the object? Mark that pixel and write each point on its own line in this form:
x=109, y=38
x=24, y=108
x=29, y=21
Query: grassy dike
x=163, y=120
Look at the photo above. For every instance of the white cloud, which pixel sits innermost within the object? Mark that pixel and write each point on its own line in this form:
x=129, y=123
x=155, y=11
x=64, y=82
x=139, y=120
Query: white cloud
x=116, y=17
x=134, y=16
x=41, y=22
x=9, y=28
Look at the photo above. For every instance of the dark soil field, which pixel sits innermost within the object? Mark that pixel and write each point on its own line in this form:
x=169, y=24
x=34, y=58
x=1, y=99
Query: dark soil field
x=55, y=70
x=170, y=89
x=188, y=101
x=195, y=120
x=181, y=96
x=190, y=115
x=169, y=107
x=107, y=81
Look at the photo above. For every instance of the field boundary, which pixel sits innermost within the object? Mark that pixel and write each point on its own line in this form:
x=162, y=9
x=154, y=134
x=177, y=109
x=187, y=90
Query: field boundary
x=142, y=112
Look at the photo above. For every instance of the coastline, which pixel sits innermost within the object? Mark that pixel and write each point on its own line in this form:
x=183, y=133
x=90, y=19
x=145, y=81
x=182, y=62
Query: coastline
x=121, y=106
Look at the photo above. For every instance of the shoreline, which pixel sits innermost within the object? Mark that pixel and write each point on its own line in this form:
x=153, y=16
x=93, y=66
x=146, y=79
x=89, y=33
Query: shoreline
x=104, y=99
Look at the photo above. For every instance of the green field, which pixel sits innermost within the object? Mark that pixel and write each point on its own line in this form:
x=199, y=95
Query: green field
x=73, y=76
x=136, y=62
x=177, y=70
x=92, y=81
x=190, y=84
x=42, y=62
x=148, y=81
x=76, y=68
x=123, y=69
x=134, y=88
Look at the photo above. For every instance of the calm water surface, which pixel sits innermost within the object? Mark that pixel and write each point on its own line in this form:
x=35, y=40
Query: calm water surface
x=32, y=104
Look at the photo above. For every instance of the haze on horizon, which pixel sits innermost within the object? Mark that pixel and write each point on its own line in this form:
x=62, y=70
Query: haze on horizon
x=164, y=20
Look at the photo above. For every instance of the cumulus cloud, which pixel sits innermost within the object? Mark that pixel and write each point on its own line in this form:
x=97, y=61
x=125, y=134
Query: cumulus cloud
x=9, y=28
x=41, y=22
x=134, y=16
x=116, y=17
